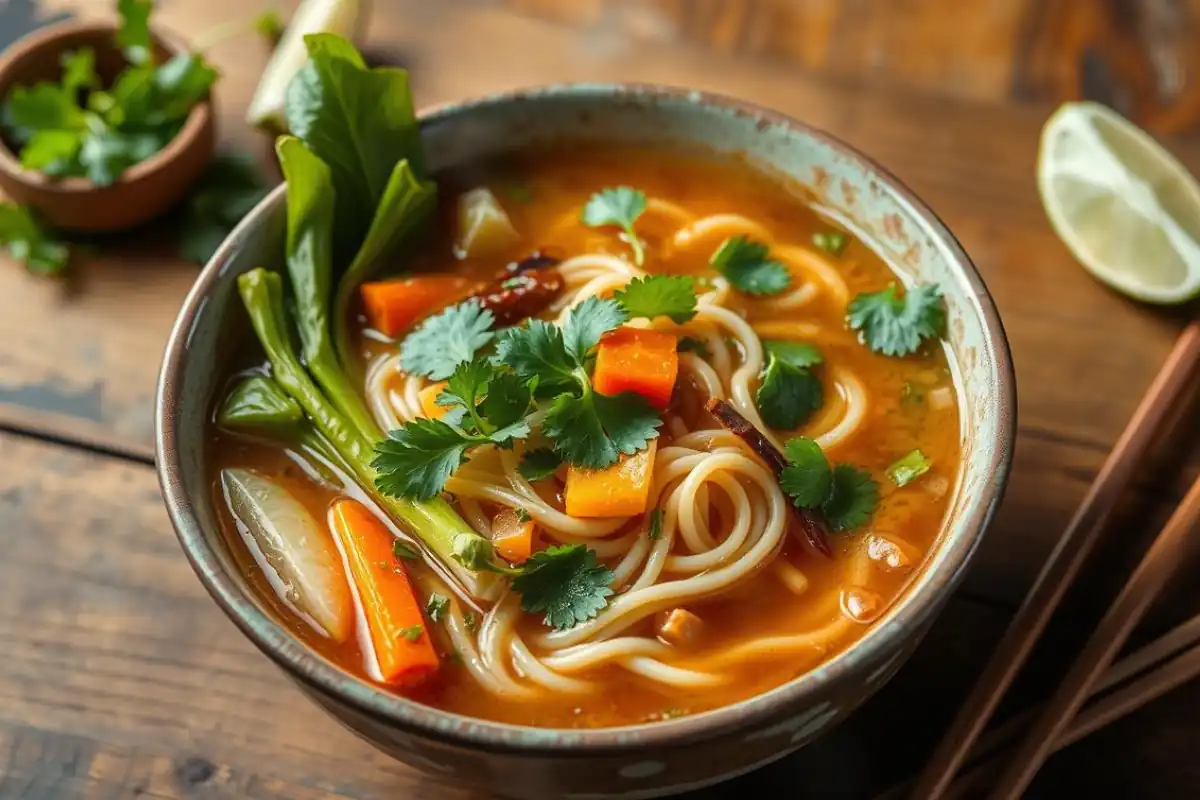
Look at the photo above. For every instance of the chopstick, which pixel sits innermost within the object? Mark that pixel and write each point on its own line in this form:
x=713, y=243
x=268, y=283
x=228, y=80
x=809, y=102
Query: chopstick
x=1170, y=385
x=1143, y=586
x=1147, y=673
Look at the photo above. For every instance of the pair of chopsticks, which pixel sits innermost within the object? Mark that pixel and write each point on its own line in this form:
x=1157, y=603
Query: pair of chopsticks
x=1060, y=722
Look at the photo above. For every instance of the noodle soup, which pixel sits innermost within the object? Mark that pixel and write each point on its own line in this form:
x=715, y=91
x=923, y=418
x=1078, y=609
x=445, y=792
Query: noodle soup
x=663, y=437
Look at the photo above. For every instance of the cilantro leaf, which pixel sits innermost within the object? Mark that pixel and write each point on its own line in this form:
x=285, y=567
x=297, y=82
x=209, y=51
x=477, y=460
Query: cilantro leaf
x=51, y=152
x=586, y=323
x=180, y=83
x=808, y=477
x=787, y=395
x=133, y=35
x=566, y=583
x=896, y=326
x=797, y=354
x=907, y=469
x=416, y=459
x=44, y=106
x=536, y=350
x=621, y=207
x=654, y=528
x=229, y=188
x=28, y=242
x=79, y=70
x=445, y=340
x=507, y=400
x=852, y=499
x=539, y=463
x=832, y=242
x=746, y=265
x=690, y=344
x=672, y=296
x=106, y=153
x=595, y=430
x=436, y=606
x=465, y=386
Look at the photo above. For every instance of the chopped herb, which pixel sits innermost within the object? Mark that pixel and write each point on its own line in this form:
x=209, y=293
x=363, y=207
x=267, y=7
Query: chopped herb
x=832, y=242
x=746, y=265
x=28, y=242
x=620, y=207
x=905, y=470
x=671, y=296
x=471, y=620
x=412, y=633
x=797, y=354
x=445, y=340
x=654, y=530
x=787, y=395
x=405, y=551
x=845, y=494
x=894, y=325
x=523, y=515
x=436, y=606
x=690, y=344
x=539, y=463
x=566, y=583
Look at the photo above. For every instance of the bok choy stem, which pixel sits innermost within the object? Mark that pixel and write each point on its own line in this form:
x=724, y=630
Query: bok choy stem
x=434, y=522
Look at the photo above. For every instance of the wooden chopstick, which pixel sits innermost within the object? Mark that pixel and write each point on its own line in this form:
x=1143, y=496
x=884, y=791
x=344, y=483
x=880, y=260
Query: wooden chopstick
x=1170, y=385
x=1123, y=615
x=1146, y=673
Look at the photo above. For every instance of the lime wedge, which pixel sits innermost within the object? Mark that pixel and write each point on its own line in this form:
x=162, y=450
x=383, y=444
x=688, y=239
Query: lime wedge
x=1123, y=205
x=346, y=18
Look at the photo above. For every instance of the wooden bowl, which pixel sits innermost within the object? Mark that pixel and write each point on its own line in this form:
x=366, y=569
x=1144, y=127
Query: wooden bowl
x=145, y=189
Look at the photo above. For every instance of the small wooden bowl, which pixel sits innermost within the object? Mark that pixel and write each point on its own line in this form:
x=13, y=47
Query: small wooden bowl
x=145, y=189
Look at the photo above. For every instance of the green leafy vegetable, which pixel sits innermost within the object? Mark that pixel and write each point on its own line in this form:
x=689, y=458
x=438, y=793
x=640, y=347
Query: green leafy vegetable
x=445, y=340
x=436, y=607
x=79, y=70
x=654, y=529
x=894, y=325
x=566, y=583
x=832, y=242
x=586, y=323
x=229, y=188
x=28, y=242
x=595, y=429
x=787, y=395
x=907, y=469
x=845, y=494
x=539, y=463
x=746, y=265
x=690, y=344
x=523, y=515
x=671, y=296
x=796, y=354
x=405, y=551
x=507, y=400
x=620, y=207
x=258, y=402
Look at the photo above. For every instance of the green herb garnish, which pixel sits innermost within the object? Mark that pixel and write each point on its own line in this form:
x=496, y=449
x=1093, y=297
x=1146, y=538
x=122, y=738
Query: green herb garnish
x=404, y=551
x=566, y=583
x=845, y=495
x=445, y=340
x=788, y=392
x=436, y=606
x=894, y=325
x=539, y=463
x=907, y=469
x=412, y=633
x=671, y=296
x=746, y=265
x=832, y=242
x=620, y=207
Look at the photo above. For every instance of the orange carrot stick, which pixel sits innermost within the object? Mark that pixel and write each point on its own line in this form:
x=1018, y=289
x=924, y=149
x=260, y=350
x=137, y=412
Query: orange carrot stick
x=394, y=618
x=635, y=360
x=512, y=535
x=617, y=491
x=394, y=306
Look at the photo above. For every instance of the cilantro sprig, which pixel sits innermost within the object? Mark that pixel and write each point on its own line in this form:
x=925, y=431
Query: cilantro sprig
x=566, y=583
x=447, y=339
x=844, y=494
x=896, y=325
x=621, y=207
x=671, y=296
x=746, y=264
x=788, y=391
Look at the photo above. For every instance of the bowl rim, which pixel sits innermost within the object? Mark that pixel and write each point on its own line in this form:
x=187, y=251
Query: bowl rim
x=49, y=38
x=942, y=572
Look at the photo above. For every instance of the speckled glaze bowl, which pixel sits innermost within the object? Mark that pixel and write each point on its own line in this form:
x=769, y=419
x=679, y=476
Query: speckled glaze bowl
x=640, y=760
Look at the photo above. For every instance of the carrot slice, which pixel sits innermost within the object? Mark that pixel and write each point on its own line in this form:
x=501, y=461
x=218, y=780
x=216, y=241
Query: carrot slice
x=394, y=306
x=512, y=535
x=636, y=360
x=429, y=396
x=394, y=618
x=617, y=491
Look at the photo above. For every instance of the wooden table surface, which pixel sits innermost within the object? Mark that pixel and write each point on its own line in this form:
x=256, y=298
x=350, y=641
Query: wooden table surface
x=120, y=678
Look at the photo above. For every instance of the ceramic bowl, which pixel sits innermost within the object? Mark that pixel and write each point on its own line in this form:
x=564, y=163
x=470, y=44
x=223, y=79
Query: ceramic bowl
x=639, y=760
x=146, y=189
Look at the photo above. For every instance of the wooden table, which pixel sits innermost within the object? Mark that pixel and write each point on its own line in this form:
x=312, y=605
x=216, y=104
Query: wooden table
x=119, y=677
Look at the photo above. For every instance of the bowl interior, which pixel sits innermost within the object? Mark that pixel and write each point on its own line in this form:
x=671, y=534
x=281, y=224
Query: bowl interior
x=843, y=183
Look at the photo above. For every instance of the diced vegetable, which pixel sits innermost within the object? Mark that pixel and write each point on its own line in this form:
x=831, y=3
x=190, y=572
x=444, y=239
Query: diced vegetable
x=393, y=307
x=298, y=557
x=512, y=535
x=403, y=648
x=617, y=491
x=678, y=627
x=483, y=227
x=429, y=396
x=641, y=361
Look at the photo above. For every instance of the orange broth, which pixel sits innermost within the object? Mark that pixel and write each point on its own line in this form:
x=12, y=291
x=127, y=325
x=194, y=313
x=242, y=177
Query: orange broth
x=539, y=192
